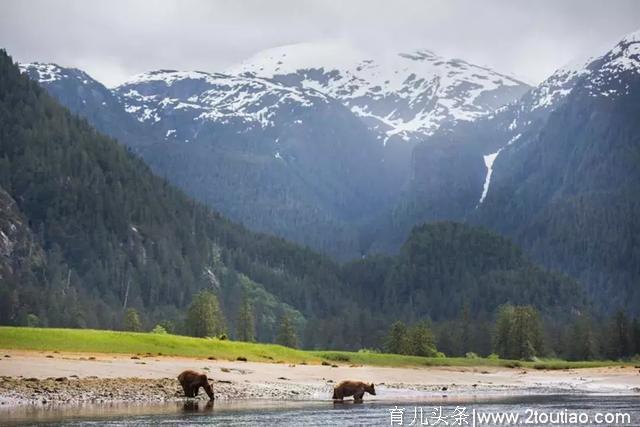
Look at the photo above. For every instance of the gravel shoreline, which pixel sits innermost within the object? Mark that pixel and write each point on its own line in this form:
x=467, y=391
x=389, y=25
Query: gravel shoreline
x=74, y=390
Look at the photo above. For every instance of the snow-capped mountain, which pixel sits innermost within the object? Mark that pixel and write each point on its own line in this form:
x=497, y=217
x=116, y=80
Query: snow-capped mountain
x=47, y=73
x=89, y=98
x=405, y=95
x=180, y=103
x=82, y=85
x=595, y=73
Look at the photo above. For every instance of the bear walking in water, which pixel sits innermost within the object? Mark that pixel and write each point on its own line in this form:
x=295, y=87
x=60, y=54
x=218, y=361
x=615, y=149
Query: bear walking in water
x=191, y=382
x=352, y=388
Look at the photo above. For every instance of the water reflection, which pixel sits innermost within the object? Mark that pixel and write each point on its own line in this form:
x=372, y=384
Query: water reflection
x=197, y=406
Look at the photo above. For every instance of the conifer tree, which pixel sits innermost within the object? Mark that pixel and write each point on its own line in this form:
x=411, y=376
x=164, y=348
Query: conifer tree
x=287, y=335
x=502, y=330
x=204, y=317
x=518, y=332
x=397, y=342
x=582, y=341
x=132, y=320
x=619, y=336
x=420, y=341
x=245, y=329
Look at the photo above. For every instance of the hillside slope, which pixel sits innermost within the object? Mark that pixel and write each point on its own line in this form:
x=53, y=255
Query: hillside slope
x=117, y=236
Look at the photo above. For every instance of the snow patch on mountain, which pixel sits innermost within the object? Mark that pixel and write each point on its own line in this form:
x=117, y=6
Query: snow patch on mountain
x=624, y=58
x=599, y=71
x=49, y=73
x=169, y=77
x=43, y=73
x=210, y=97
x=489, y=160
x=559, y=84
x=626, y=54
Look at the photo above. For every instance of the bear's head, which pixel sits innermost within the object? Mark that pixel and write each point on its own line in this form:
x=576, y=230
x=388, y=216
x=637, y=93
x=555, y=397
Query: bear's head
x=370, y=388
x=204, y=382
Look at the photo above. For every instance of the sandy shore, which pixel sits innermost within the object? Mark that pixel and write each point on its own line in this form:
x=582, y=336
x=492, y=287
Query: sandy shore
x=46, y=377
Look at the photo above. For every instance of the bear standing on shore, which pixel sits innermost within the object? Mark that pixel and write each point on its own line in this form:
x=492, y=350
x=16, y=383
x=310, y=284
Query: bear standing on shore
x=191, y=382
x=352, y=388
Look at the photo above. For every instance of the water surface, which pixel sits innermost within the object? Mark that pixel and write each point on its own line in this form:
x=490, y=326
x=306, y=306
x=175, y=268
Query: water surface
x=548, y=410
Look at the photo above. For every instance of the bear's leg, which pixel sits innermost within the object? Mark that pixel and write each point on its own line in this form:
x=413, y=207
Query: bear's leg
x=358, y=395
x=207, y=389
x=186, y=390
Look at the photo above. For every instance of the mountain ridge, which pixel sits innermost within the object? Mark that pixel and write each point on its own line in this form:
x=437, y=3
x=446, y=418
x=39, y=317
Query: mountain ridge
x=246, y=144
x=403, y=95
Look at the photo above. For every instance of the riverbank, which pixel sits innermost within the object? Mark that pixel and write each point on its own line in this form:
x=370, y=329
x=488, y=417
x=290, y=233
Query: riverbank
x=46, y=377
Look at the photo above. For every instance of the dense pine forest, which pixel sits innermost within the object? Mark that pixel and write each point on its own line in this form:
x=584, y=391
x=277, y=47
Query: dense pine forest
x=90, y=237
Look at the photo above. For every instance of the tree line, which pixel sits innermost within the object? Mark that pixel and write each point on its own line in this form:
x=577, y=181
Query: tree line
x=519, y=333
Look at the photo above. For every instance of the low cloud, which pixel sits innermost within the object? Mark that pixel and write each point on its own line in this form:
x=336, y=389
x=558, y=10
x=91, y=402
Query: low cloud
x=116, y=39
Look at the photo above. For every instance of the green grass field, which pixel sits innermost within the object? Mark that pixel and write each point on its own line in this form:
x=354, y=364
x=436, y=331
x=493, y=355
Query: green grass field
x=99, y=341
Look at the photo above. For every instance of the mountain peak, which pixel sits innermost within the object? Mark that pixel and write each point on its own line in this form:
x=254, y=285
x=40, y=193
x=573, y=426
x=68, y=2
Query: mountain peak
x=43, y=72
x=50, y=72
x=632, y=37
x=293, y=57
x=599, y=70
x=625, y=56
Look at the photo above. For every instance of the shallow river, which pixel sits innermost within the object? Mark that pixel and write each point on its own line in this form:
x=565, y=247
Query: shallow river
x=531, y=410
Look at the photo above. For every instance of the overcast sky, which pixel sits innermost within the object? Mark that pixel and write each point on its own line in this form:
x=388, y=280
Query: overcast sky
x=115, y=39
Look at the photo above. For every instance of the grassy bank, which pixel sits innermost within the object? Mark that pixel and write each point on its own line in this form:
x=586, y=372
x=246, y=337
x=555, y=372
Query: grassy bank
x=98, y=341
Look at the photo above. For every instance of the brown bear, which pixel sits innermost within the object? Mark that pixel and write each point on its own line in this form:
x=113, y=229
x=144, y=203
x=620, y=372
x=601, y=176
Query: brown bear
x=191, y=382
x=352, y=388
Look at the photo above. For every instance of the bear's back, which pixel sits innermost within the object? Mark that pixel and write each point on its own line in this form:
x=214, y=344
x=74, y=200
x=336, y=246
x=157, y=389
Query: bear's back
x=350, y=387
